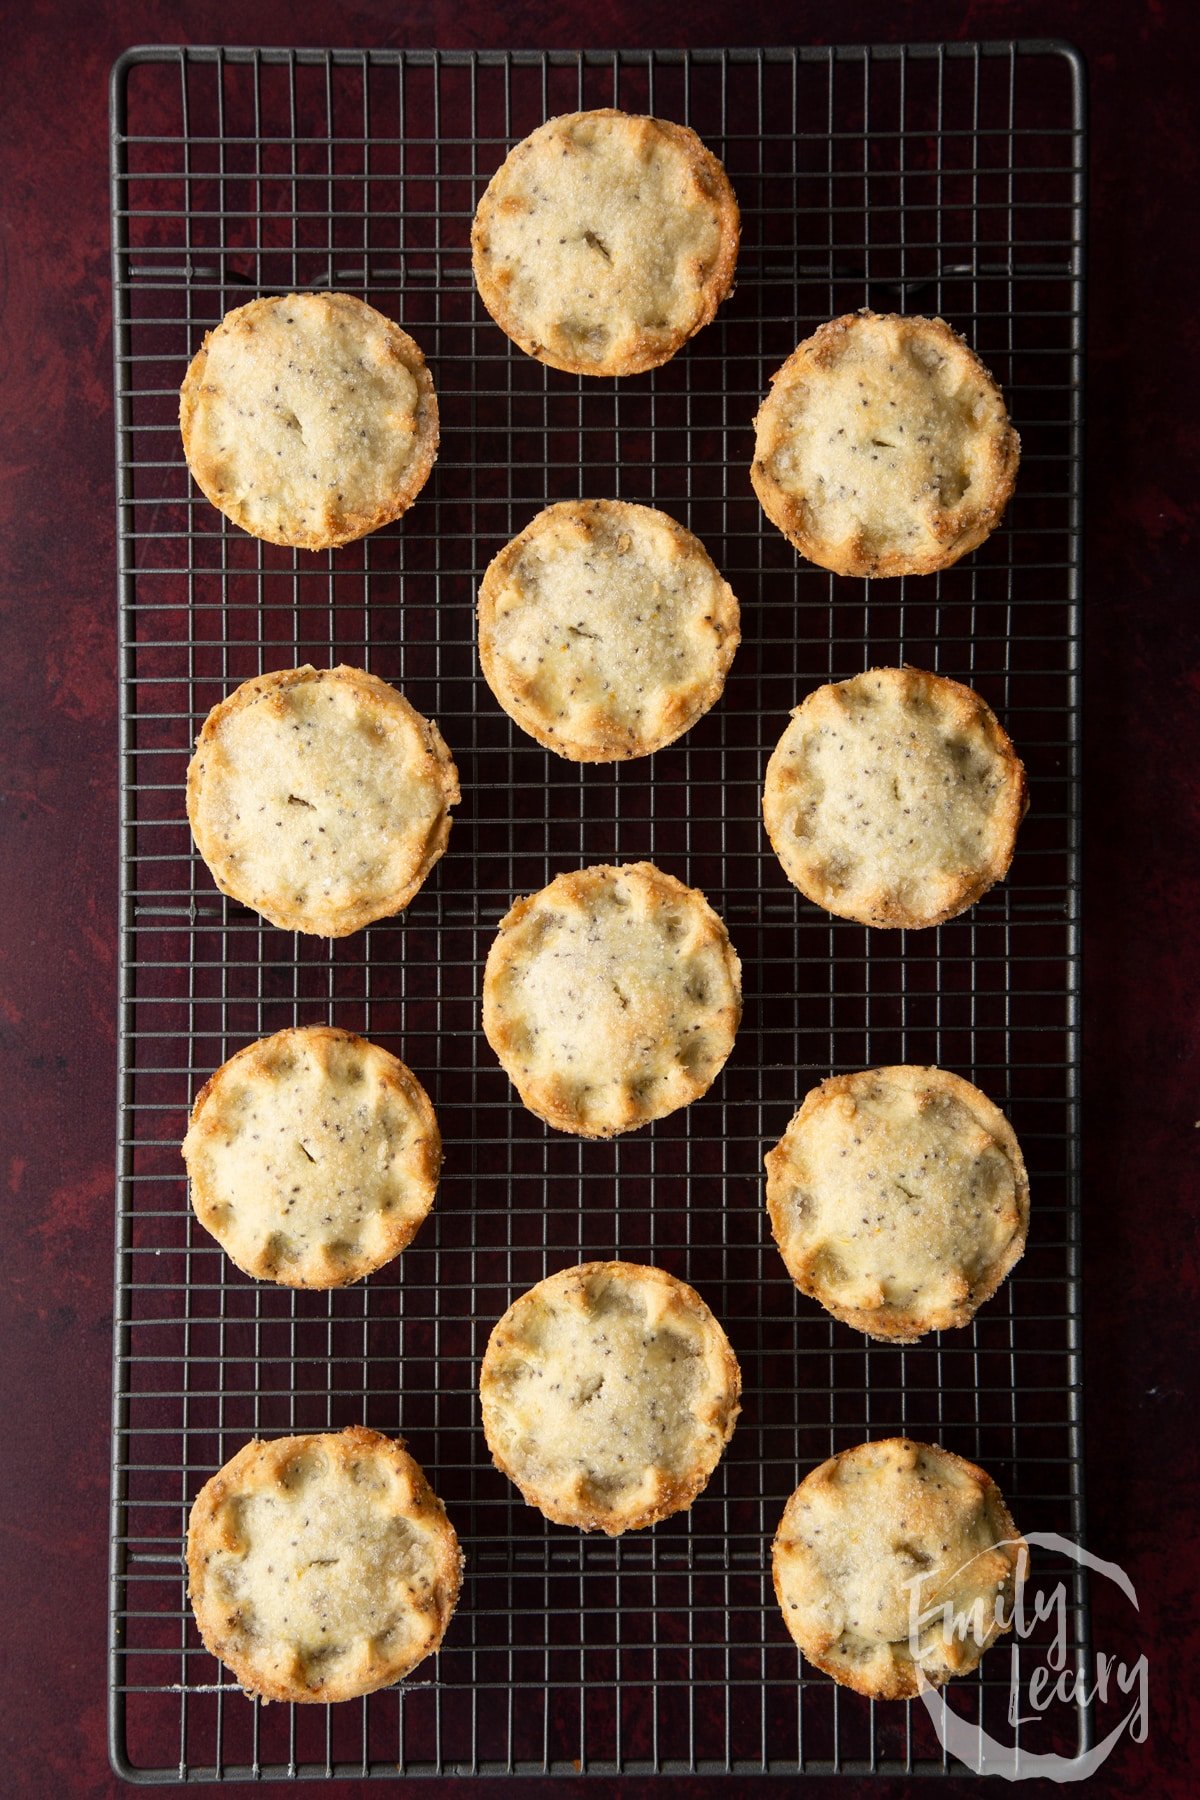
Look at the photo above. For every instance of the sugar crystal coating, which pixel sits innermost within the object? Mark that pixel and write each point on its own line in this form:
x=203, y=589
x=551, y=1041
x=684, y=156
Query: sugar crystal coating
x=611, y=998
x=884, y=447
x=894, y=798
x=321, y=1567
x=320, y=798
x=609, y=1393
x=605, y=240
x=310, y=419
x=313, y=1157
x=899, y=1199
x=605, y=630
x=895, y=1565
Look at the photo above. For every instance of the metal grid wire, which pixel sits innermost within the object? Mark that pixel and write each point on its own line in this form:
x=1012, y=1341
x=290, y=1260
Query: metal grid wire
x=942, y=179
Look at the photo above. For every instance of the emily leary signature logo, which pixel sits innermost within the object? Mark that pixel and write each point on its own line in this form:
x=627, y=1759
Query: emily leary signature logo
x=1052, y=1678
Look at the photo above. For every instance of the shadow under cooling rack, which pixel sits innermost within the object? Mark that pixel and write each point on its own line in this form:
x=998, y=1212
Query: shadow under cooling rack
x=944, y=178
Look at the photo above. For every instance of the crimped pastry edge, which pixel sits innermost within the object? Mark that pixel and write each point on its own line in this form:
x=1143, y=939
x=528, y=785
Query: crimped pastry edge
x=334, y=921
x=355, y=524
x=723, y=1400
x=393, y=1074
x=900, y=1679
x=962, y=529
x=891, y=1323
x=576, y=884
x=646, y=349
x=609, y=743
x=353, y=1441
x=971, y=712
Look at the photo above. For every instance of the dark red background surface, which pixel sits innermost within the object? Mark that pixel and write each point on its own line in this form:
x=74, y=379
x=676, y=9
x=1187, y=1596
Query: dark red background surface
x=58, y=812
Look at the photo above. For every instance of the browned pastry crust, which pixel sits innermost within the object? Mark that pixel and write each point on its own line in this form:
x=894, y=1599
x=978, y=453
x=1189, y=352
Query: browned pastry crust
x=886, y=1532
x=309, y=419
x=313, y=1157
x=882, y=1533
x=894, y=798
x=884, y=447
x=320, y=798
x=609, y=1392
x=899, y=1199
x=611, y=998
x=321, y=1567
x=605, y=240
x=605, y=630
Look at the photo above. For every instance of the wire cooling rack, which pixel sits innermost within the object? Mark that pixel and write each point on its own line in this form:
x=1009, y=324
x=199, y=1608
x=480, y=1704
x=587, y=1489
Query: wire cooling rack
x=944, y=178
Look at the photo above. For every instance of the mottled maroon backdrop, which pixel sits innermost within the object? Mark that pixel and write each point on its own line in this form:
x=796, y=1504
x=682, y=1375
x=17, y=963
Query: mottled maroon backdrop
x=58, y=819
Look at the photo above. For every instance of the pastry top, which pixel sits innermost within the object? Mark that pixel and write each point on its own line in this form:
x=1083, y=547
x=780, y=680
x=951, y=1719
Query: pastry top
x=894, y=798
x=609, y=1392
x=309, y=420
x=611, y=997
x=604, y=241
x=321, y=1567
x=313, y=1157
x=884, y=447
x=605, y=630
x=880, y=1551
x=320, y=798
x=899, y=1199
